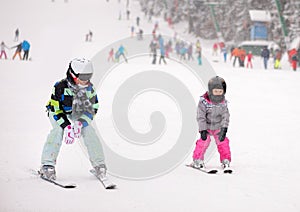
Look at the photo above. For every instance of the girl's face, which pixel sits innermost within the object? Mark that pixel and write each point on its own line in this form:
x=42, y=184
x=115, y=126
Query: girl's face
x=81, y=82
x=217, y=92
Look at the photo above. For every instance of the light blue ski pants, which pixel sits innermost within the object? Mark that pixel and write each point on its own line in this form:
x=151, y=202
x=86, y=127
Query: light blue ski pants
x=54, y=142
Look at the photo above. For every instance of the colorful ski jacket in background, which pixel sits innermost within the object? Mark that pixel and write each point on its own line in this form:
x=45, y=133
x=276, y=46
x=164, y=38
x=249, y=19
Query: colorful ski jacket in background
x=25, y=45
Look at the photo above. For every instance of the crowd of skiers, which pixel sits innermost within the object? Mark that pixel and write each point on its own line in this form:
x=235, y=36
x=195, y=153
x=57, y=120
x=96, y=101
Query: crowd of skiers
x=182, y=49
x=187, y=50
x=241, y=56
x=21, y=48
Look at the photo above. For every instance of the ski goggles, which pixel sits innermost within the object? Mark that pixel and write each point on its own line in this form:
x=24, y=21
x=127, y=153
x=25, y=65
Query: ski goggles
x=85, y=77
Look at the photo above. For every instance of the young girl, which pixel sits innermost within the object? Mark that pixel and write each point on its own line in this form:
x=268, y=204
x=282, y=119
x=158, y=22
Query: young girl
x=213, y=120
x=71, y=109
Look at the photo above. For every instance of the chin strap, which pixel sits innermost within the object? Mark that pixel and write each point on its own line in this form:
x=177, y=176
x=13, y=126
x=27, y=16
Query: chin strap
x=82, y=86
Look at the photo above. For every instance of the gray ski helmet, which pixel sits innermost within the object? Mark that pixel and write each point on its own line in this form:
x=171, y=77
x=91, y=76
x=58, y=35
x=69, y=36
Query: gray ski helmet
x=219, y=83
x=81, y=68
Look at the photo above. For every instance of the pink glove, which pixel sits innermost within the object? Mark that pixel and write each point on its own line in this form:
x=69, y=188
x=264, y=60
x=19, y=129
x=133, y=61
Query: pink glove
x=69, y=135
x=77, y=129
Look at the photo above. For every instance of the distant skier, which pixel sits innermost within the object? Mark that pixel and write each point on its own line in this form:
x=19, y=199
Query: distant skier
x=71, y=110
x=17, y=33
x=140, y=34
x=242, y=56
x=111, y=55
x=199, y=56
x=89, y=36
x=294, y=59
x=224, y=51
x=215, y=49
x=162, y=50
x=168, y=48
x=153, y=50
x=25, y=48
x=221, y=45
x=138, y=21
x=132, y=30
x=3, y=47
x=183, y=51
x=162, y=55
x=128, y=14
x=278, y=55
x=121, y=52
x=177, y=48
x=235, y=53
x=213, y=120
x=265, y=54
x=198, y=45
x=249, y=59
x=190, y=52
x=18, y=51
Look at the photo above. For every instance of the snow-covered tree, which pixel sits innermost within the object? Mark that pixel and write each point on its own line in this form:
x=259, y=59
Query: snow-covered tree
x=232, y=16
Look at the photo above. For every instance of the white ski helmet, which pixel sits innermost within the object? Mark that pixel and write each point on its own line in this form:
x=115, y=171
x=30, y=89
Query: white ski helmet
x=81, y=68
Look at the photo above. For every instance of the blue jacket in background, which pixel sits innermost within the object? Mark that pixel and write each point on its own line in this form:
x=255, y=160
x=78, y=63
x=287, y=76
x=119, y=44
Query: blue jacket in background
x=25, y=45
x=121, y=50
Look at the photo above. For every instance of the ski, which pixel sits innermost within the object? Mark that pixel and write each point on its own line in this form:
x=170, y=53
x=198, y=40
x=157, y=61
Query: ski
x=227, y=171
x=69, y=185
x=207, y=171
x=226, y=168
x=105, y=181
x=59, y=184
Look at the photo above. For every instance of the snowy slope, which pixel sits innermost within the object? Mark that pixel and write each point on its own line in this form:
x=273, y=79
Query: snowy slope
x=265, y=121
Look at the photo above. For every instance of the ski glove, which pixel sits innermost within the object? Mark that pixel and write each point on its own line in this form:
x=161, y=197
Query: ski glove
x=222, y=133
x=68, y=134
x=203, y=134
x=77, y=129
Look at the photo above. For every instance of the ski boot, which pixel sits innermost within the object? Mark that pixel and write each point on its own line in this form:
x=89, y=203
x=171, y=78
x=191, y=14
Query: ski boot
x=48, y=172
x=226, y=166
x=198, y=164
x=100, y=171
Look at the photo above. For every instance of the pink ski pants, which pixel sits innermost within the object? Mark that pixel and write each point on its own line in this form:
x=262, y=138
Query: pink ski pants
x=202, y=145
